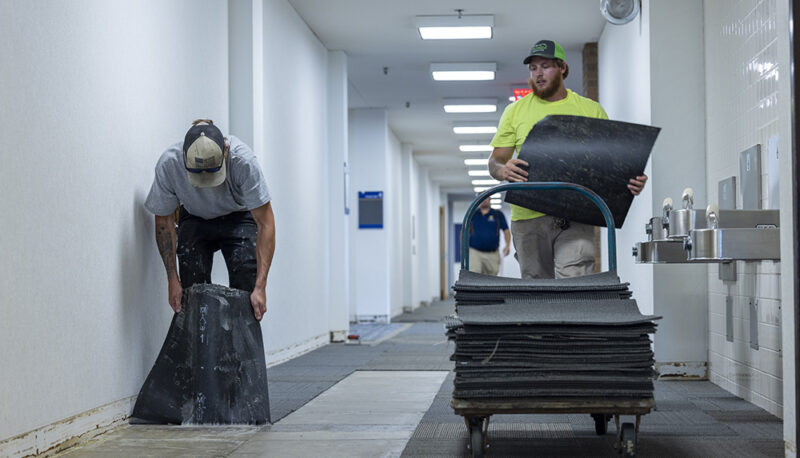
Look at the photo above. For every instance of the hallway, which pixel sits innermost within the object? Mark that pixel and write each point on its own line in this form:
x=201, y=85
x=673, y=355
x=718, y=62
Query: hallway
x=322, y=405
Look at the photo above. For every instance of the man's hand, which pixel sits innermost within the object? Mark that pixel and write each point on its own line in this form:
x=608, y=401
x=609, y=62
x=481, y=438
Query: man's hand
x=175, y=293
x=512, y=172
x=258, y=299
x=637, y=184
x=506, y=250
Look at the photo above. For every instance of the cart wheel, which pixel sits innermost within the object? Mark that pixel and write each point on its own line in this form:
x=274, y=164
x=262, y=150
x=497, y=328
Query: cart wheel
x=476, y=436
x=628, y=440
x=600, y=423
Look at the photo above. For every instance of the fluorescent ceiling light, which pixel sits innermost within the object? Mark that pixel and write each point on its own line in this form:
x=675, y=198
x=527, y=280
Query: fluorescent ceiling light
x=496, y=206
x=475, y=148
x=455, y=27
x=491, y=182
x=464, y=72
x=480, y=128
x=476, y=161
x=478, y=173
x=480, y=188
x=470, y=105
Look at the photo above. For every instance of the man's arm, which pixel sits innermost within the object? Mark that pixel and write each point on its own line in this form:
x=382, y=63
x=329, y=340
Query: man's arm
x=167, y=241
x=507, y=248
x=503, y=168
x=637, y=184
x=265, y=248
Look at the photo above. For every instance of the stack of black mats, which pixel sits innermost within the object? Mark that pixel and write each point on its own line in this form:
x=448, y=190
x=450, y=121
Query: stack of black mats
x=580, y=337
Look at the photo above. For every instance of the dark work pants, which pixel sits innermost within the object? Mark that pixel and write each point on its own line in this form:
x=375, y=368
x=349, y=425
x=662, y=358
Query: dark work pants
x=198, y=239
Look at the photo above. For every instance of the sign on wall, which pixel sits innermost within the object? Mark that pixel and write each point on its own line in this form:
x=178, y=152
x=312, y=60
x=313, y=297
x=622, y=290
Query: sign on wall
x=370, y=210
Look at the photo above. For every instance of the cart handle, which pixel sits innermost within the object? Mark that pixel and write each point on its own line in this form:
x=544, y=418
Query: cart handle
x=538, y=185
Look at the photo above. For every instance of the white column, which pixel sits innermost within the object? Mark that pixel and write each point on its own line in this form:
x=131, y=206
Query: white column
x=339, y=236
x=369, y=248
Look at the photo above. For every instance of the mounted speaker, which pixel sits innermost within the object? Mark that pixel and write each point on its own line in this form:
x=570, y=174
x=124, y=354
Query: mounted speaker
x=619, y=11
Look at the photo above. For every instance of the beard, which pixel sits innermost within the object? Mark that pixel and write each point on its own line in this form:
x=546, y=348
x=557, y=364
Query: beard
x=548, y=90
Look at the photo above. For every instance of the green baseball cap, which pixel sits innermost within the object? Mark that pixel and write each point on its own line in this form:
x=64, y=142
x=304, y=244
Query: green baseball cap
x=545, y=48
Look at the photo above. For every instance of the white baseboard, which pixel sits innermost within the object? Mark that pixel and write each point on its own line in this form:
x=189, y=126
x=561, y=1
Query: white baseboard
x=53, y=438
x=293, y=351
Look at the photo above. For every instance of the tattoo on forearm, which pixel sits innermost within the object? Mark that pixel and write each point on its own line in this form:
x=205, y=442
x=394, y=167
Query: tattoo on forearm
x=165, y=239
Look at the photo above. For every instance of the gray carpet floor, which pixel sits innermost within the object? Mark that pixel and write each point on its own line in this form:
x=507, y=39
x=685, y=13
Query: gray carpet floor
x=692, y=418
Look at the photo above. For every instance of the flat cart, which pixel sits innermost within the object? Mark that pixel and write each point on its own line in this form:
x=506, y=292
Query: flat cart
x=477, y=413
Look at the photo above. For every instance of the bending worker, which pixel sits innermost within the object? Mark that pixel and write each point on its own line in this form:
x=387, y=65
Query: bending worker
x=546, y=247
x=484, y=239
x=224, y=205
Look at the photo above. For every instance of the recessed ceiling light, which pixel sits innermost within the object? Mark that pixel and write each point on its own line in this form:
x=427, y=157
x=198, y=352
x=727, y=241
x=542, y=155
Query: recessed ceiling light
x=480, y=188
x=464, y=71
x=485, y=182
x=476, y=161
x=455, y=27
x=479, y=128
x=475, y=148
x=470, y=105
x=496, y=206
x=478, y=173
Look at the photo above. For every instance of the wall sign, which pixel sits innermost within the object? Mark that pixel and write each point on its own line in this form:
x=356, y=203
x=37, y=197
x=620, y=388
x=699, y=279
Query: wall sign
x=370, y=210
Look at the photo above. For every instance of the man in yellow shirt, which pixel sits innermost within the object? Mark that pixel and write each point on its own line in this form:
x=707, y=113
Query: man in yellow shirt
x=547, y=247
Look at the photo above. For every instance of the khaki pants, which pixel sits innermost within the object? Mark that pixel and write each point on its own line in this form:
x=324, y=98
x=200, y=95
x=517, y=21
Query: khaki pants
x=484, y=262
x=546, y=251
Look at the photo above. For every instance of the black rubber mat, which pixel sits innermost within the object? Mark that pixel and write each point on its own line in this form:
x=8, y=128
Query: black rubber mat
x=598, y=312
x=599, y=154
x=466, y=298
x=211, y=368
x=603, y=281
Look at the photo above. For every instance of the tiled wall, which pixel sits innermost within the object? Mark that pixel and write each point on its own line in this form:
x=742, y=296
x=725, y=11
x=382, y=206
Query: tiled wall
x=742, y=99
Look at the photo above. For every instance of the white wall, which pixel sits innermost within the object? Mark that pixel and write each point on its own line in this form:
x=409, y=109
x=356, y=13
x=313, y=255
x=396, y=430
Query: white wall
x=370, y=281
x=746, y=107
x=396, y=196
x=294, y=159
x=623, y=65
x=338, y=230
x=677, y=162
x=92, y=93
x=407, y=232
x=786, y=202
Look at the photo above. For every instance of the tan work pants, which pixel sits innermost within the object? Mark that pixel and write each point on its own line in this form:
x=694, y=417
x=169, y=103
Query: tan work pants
x=484, y=262
x=547, y=251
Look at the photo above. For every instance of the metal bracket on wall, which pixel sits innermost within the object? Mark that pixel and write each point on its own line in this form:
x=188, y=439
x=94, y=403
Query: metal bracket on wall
x=753, y=323
x=727, y=271
x=729, y=318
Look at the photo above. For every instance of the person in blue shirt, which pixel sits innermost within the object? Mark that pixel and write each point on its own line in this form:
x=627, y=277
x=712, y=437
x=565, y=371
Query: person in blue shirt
x=484, y=239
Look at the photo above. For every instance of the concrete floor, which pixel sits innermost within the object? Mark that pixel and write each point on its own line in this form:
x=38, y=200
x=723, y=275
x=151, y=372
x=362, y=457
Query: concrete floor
x=389, y=397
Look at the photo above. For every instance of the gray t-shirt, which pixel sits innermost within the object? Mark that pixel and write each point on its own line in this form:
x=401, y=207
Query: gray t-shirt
x=244, y=187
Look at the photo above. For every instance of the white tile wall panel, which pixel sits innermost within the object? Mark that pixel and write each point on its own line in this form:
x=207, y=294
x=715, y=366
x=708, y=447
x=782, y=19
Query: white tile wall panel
x=750, y=381
x=767, y=404
x=739, y=351
x=742, y=74
x=769, y=311
x=769, y=336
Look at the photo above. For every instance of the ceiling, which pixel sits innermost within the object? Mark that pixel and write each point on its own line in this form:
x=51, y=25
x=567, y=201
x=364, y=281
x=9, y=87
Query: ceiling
x=378, y=34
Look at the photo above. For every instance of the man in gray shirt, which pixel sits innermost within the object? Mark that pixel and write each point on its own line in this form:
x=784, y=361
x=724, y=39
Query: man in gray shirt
x=224, y=205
